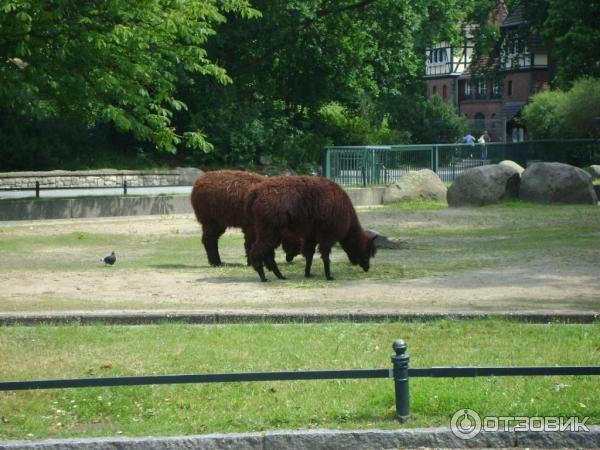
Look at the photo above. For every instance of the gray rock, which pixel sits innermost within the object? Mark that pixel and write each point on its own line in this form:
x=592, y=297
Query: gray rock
x=509, y=163
x=557, y=183
x=382, y=241
x=484, y=185
x=594, y=171
x=188, y=175
x=419, y=185
x=265, y=160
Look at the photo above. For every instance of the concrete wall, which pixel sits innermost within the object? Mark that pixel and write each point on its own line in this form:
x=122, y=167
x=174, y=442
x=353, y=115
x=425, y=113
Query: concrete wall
x=59, y=208
x=72, y=208
x=98, y=178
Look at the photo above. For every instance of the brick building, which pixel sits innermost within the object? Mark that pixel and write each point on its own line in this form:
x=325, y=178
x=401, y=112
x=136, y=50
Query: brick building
x=491, y=101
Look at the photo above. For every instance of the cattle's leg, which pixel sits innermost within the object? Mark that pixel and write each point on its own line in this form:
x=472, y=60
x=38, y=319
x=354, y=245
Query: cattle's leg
x=308, y=251
x=249, y=238
x=325, y=249
x=211, y=232
x=271, y=264
x=262, y=253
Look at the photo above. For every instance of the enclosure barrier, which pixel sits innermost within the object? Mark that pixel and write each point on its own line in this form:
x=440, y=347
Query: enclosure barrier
x=400, y=372
x=384, y=164
x=123, y=187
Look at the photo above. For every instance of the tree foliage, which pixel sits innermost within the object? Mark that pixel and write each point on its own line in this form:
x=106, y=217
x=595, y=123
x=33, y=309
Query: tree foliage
x=300, y=75
x=573, y=30
x=309, y=73
x=112, y=61
x=565, y=114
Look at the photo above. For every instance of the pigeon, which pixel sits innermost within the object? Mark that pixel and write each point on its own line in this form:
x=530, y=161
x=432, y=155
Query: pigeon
x=110, y=259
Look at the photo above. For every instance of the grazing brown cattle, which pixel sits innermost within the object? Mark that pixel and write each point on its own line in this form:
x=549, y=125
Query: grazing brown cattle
x=218, y=202
x=313, y=208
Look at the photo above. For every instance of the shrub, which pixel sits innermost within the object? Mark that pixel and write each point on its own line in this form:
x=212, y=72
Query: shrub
x=570, y=114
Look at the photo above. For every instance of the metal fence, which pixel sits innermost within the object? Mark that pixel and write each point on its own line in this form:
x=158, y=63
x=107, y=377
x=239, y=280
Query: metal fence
x=399, y=372
x=384, y=164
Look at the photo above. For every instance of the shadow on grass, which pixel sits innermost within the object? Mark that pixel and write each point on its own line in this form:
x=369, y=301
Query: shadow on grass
x=250, y=279
x=196, y=266
x=178, y=266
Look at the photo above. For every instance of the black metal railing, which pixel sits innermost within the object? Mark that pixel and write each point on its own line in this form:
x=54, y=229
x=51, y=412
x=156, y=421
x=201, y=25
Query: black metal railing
x=123, y=188
x=400, y=372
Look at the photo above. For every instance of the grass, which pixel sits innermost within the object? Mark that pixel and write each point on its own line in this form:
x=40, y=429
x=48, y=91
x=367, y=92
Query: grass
x=82, y=351
x=440, y=241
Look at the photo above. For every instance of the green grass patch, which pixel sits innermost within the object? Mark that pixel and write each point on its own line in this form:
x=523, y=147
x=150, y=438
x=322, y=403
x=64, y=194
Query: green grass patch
x=439, y=241
x=44, y=352
x=416, y=205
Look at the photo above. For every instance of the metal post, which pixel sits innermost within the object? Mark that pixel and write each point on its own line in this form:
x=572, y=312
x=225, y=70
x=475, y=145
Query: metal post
x=37, y=189
x=327, y=162
x=124, y=187
x=400, y=362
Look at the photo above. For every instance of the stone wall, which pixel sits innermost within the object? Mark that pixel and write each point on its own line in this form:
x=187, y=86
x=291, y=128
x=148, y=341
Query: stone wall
x=90, y=179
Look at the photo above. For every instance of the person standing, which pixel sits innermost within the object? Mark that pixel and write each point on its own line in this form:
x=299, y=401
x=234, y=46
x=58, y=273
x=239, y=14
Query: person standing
x=469, y=139
x=484, y=139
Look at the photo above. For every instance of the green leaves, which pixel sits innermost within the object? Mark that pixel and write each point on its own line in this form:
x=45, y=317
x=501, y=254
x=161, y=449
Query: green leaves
x=115, y=61
x=569, y=114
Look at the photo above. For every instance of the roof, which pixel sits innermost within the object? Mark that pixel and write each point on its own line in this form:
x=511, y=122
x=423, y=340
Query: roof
x=516, y=17
x=510, y=110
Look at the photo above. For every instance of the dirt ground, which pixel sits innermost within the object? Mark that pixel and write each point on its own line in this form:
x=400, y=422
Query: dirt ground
x=534, y=287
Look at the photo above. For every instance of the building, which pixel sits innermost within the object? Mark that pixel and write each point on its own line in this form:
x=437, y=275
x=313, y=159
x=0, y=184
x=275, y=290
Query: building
x=491, y=98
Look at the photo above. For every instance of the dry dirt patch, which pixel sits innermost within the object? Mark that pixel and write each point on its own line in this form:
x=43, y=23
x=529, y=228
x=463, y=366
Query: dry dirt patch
x=544, y=286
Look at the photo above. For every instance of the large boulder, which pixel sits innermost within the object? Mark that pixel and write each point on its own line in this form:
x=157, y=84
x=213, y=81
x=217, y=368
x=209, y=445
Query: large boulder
x=188, y=175
x=557, y=183
x=419, y=185
x=594, y=171
x=484, y=185
x=509, y=163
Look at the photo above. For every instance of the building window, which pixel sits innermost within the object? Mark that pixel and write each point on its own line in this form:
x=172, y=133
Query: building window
x=509, y=90
x=434, y=90
x=481, y=88
x=467, y=88
x=437, y=56
x=479, y=116
x=444, y=92
x=496, y=88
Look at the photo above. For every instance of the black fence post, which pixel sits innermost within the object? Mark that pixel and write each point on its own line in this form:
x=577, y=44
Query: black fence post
x=124, y=187
x=400, y=362
x=37, y=189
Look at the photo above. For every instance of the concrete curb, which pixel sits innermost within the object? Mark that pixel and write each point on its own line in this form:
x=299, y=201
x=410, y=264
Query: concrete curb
x=146, y=318
x=326, y=439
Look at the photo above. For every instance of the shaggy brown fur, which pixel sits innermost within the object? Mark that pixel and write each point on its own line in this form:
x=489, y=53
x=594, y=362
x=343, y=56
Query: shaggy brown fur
x=218, y=202
x=313, y=208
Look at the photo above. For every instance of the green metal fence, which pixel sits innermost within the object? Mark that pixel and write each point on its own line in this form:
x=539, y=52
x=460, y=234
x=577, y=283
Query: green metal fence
x=383, y=164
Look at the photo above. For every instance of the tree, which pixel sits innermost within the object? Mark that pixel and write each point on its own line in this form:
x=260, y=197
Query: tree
x=438, y=123
x=565, y=114
x=305, y=63
x=572, y=30
x=112, y=61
